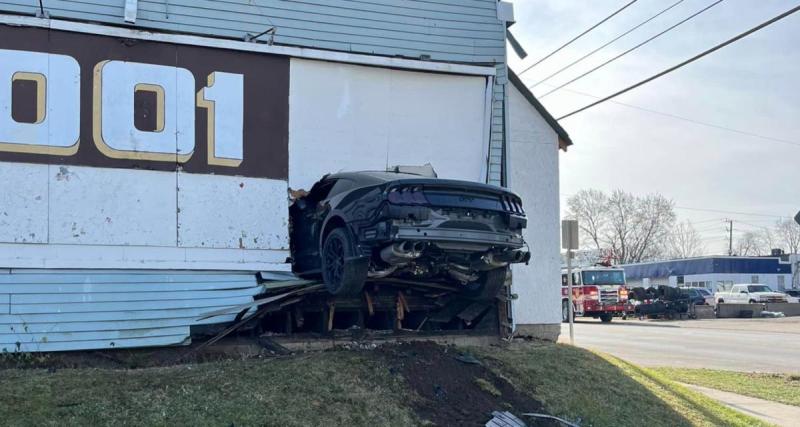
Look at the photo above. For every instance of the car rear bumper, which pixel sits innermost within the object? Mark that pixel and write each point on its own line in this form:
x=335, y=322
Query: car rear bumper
x=454, y=235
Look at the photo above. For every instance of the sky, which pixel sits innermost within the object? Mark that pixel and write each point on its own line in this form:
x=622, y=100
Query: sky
x=752, y=86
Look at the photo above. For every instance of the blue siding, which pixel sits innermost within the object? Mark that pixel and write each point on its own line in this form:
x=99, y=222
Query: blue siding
x=724, y=265
x=446, y=30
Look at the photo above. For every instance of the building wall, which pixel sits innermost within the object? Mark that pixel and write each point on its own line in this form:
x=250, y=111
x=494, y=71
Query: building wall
x=348, y=117
x=714, y=281
x=444, y=30
x=533, y=174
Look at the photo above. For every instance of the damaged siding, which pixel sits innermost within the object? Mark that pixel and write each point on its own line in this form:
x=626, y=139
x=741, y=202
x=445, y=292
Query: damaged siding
x=70, y=310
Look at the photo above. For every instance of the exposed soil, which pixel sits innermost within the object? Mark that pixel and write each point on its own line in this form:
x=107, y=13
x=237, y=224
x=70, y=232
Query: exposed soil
x=454, y=388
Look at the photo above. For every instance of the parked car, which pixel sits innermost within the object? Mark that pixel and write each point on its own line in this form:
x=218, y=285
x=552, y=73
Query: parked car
x=355, y=226
x=792, y=295
x=752, y=294
x=699, y=296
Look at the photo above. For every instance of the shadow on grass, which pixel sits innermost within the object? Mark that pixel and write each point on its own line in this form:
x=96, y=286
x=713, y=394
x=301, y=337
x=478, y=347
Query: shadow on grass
x=586, y=387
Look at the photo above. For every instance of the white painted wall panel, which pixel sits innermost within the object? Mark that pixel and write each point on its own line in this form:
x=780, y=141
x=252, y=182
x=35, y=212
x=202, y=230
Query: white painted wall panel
x=218, y=211
x=349, y=117
x=23, y=203
x=112, y=206
x=533, y=174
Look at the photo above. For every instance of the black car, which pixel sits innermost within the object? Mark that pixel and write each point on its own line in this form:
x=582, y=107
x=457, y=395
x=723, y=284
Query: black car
x=355, y=226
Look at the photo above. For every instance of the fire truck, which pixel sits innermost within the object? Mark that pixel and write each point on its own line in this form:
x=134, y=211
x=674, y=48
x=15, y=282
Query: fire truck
x=597, y=292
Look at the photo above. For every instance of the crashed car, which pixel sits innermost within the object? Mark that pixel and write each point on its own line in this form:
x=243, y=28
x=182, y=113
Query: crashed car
x=358, y=226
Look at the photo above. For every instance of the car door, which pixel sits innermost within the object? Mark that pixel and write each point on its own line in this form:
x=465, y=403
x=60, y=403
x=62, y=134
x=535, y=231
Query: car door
x=739, y=294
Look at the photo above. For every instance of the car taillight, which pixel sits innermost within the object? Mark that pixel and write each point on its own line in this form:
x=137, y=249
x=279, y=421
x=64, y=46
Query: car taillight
x=592, y=292
x=407, y=196
x=511, y=204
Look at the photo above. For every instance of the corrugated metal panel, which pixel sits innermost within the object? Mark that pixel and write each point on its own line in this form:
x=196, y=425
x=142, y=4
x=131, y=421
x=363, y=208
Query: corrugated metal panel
x=80, y=310
x=445, y=30
x=497, y=138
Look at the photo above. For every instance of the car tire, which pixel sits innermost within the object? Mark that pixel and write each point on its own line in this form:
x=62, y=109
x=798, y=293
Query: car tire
x=339, y=279
x=752, y=301
x=606, y=318
x=488, y=284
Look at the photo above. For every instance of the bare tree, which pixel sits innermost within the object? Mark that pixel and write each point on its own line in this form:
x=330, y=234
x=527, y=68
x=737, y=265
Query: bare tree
x=787, y=234
x=589, y=208
x=685, y=242
x=632, y=228
x=749, y=244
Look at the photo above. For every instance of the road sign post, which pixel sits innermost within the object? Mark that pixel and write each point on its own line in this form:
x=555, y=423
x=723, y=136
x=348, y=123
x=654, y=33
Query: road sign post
x=569, y=241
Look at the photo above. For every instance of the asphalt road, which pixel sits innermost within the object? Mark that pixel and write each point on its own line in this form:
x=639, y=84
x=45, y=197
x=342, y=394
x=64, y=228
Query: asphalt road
x=748, y=345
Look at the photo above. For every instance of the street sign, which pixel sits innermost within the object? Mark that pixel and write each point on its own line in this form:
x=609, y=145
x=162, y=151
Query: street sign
x=797, y=217
x=569, y=241
x=569, y=234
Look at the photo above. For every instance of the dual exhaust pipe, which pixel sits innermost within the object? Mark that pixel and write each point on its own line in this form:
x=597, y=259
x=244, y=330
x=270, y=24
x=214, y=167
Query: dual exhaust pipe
x=402, y=252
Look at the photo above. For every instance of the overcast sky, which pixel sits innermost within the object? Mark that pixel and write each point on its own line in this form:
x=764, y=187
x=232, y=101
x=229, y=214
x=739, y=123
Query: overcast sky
x=752, y=85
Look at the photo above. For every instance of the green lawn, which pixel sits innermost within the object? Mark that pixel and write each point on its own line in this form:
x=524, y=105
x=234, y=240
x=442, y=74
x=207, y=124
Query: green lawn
x=781, y=388
x=340, y=388
x=601, y=390
x=351, y=388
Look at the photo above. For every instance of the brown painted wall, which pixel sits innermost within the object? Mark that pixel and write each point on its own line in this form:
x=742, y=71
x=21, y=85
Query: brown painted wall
x=266, y=99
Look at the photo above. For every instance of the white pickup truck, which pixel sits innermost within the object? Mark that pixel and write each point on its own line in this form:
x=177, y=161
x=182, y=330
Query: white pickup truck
x=749, y=294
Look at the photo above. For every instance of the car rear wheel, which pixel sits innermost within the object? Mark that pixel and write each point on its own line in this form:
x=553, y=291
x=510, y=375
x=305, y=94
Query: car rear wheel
x=606, y=317
x=488, y=284
x=339, y=278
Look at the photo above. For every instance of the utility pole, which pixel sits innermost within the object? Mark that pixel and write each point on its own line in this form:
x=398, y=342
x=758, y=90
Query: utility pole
x=730, y=237
x=569, y=241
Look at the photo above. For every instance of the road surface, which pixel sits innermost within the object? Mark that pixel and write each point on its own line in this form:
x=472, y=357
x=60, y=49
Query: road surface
x=748, y=345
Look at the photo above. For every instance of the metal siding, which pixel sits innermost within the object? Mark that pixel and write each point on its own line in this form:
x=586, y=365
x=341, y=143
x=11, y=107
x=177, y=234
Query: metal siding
x=455, y=31
x=69, y=310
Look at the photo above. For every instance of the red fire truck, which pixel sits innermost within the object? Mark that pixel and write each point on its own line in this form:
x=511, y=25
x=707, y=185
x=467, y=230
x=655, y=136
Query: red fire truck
x=597, y=292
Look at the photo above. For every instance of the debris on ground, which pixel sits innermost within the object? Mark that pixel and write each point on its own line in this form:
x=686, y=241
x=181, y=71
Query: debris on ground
x=772, y=314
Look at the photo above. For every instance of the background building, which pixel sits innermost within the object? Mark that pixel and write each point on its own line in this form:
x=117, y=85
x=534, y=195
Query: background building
x=711, y=272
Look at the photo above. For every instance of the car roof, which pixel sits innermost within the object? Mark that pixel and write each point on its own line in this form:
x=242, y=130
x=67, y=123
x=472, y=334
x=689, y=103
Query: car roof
x=378, y=176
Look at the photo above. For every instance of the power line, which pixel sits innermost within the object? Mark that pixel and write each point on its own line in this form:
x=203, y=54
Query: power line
x=633, y=48
x=578, y=36
x=688, y=61
x=728, y=212
x=690, y=120
x=606, y=44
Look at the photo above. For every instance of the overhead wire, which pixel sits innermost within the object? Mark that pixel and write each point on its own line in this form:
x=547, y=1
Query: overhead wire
x=577, y=37
x=632, y=29
x=686, y=62
x=687, y=119
x=668, y=29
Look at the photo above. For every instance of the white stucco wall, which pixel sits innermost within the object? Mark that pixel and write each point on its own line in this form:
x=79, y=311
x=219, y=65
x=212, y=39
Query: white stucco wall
x=349, y=117
x=60, y=216
x=533, y=174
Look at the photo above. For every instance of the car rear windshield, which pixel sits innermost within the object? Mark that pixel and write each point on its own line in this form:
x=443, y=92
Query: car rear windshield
x=603, y=277
x=758, y=288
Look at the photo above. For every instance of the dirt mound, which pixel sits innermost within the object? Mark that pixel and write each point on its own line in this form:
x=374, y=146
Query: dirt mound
x=454, y=388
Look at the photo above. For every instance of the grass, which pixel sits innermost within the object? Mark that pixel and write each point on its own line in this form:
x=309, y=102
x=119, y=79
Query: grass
x=339, y=388
x=781, y=388
x=599, y=390
x=353, y=388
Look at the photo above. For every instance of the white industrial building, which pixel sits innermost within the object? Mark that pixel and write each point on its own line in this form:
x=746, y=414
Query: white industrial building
x=147, y=149
x=712, y=272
